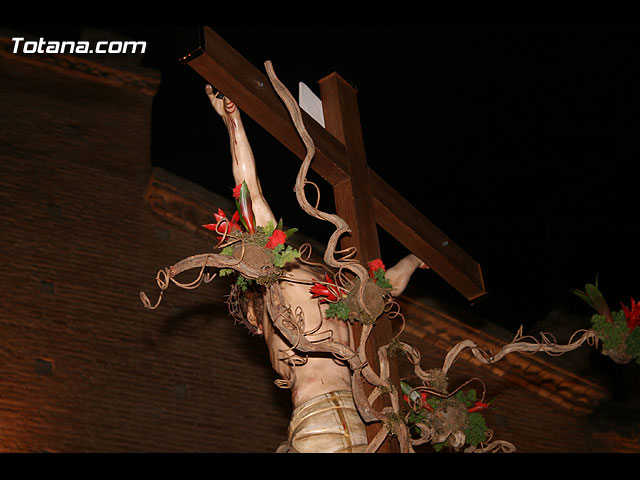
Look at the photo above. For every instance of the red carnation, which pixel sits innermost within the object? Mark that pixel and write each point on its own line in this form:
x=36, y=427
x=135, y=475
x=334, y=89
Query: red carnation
x=376, y=265
x=632, y=314
x=277, y=237
x=322, y=290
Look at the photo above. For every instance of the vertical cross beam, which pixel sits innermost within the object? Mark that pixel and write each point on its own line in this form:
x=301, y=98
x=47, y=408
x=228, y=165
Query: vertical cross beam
x=354, y=200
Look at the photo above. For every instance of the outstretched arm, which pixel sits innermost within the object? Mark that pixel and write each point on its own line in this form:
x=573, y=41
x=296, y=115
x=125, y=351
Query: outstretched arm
x=401, y=272
x=244, y=166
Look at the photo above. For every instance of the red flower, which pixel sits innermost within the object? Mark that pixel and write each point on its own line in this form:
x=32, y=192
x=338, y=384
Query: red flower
x=376, y=265
x=478, y=407
x=236, y=191
x=633, y=314
x=221, y=223
x=327, y=291
x=277, y=237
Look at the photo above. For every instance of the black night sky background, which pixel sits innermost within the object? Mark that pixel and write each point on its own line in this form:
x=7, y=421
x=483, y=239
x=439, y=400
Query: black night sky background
x=518, y=142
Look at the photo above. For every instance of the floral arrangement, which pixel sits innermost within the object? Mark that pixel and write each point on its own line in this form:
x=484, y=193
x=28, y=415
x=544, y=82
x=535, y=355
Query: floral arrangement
x=616, y=329
x=240, y=233
x=338, y=299
x=459, y=412
x=377, y=271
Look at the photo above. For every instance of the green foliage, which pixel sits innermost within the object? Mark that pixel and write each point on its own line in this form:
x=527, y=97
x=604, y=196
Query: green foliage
x=633, y=344
x=283, y=255
x=339, y=310
x=476, y=429
x=611, y=334
x=290, y=232
x=611, y=328
x=243, y=283
x=228, y=250
x=594, y=298
x=268, y=229
x=415, y=417
x=467, y=398
x=433, y=402
x=380, y=279
x=261, y=235
x=223, y=272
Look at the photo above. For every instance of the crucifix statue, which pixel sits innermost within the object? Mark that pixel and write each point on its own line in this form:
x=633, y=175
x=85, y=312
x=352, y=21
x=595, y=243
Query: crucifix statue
x=324, y=417
x=327, y=325
x=362, y=198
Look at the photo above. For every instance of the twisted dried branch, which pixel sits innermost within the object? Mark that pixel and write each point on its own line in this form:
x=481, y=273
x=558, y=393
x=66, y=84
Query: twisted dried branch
x=203, y=260
x=301, y=180
x=521, y=344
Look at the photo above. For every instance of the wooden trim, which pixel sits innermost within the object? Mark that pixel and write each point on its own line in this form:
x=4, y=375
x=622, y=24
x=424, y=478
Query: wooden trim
x=183, y=203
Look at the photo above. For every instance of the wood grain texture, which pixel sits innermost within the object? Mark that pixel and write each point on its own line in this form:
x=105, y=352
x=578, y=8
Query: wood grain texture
x=353, y=198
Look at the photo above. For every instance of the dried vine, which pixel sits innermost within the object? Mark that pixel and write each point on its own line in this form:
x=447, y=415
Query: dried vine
x=547, y=344
x=341, y=227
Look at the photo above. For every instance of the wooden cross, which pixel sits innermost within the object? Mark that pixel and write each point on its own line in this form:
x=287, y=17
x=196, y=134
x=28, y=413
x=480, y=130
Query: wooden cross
x=363, y=199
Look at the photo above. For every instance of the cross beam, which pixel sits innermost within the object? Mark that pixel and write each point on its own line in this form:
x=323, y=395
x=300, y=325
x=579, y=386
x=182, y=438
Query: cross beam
x=353, y=200
x=233, y=75
x=340, y=159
